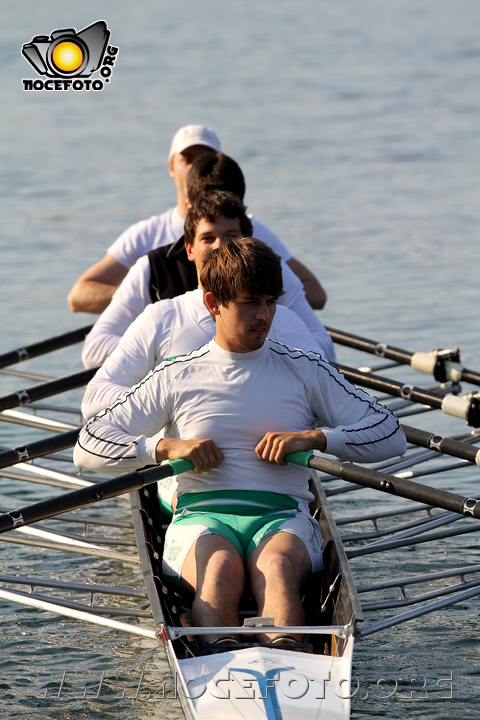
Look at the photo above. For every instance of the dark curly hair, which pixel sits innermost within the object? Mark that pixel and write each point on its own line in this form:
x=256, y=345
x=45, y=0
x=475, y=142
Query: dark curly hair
x=212, y=205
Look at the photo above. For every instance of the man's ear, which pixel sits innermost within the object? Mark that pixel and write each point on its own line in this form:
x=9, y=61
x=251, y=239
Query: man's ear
x=170, y=166
x=212, y=303
x=188, y=204
x=190, y=253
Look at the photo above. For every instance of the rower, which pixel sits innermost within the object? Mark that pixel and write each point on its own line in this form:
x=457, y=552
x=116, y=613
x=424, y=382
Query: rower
x=235, y=407
x=174, y=270
x=178, y=325
x=93, y=291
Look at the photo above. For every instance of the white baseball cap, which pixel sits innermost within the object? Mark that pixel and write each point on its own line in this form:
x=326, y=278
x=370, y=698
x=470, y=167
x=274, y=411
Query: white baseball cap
x=194, y=135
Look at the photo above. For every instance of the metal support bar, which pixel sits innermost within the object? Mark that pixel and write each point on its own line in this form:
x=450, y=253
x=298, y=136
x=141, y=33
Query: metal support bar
x=417, y=612
x=343, y=631
x=407, y=600
x=417, y=579
x=387, y=545
x=91, y=588
x=77, y=614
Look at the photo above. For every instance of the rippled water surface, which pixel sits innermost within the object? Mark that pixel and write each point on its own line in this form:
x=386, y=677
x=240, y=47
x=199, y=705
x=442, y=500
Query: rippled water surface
x=357, y=127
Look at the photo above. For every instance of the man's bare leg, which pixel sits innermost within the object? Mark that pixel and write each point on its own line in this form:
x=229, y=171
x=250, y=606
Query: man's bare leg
x=213, y=571
x=277, y=569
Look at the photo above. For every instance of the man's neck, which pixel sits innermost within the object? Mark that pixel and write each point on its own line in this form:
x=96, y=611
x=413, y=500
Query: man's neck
x=232, y=347
x=181, y=204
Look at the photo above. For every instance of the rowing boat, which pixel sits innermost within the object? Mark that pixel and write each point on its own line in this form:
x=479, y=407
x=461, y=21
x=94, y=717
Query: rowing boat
x=255, y=680
x=286, y=683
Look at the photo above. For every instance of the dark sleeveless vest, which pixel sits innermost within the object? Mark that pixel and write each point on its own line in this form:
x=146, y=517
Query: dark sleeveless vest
x=171, y=272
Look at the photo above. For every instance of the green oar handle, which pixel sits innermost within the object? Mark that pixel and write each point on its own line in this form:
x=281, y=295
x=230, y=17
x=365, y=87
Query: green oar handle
x=62, y=442
x=299, y=458
x=351, y=472
x=86, y=496
x=180, y=466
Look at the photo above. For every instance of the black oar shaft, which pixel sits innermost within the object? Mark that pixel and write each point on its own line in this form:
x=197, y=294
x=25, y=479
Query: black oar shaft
x=396, y=486
x=47, y=389
x=446, y=445
x=392, y=387
x=44, y=346
x=86, y=496
x=470, y=376
x=39, y=448
x=370, y=346
x=442, y=364
x=467, y=408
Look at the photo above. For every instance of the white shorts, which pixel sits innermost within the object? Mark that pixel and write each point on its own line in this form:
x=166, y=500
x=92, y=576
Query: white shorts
x=244, y=532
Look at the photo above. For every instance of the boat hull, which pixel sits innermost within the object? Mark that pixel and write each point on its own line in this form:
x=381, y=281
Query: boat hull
x=258, y=681
x=266, y=683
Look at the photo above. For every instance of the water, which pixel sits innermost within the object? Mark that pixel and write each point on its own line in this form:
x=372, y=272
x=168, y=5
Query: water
x=356, y=125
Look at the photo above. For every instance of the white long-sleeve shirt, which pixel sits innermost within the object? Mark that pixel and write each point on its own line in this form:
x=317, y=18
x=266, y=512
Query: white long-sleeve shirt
x=133, y=296
x=166, y=329
x=234, y=399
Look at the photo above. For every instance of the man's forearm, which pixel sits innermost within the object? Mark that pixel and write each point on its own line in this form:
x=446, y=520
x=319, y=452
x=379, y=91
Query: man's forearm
x=90, y=296
x=94, y=289
x=314, y=292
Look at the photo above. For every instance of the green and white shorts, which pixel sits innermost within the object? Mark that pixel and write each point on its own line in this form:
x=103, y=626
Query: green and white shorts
x=166, y=490
x=245, y=518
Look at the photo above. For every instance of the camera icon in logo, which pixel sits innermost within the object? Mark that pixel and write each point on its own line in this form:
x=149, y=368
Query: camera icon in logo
x=66, y=53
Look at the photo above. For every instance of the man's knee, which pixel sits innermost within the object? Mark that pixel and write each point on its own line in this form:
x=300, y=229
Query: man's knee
x=278, y=565
x=283, y=558
x=218, y=565
x=225, y=566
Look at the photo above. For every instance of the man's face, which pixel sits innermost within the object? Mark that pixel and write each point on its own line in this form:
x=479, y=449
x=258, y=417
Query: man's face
x=211, y=235
x=244, y=324
x=180, y=164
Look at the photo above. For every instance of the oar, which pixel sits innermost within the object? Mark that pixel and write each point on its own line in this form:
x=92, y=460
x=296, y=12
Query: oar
x=442, y=364
x=136, y=480
x=63, y=441
x=47, y=389
x=467, y=408
x=445, y=445
x=86, y=496
x=388, y=483
x=39, y=448
x=44, y=346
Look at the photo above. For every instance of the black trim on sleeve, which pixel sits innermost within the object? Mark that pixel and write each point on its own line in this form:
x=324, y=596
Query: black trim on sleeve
x=377, y=407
